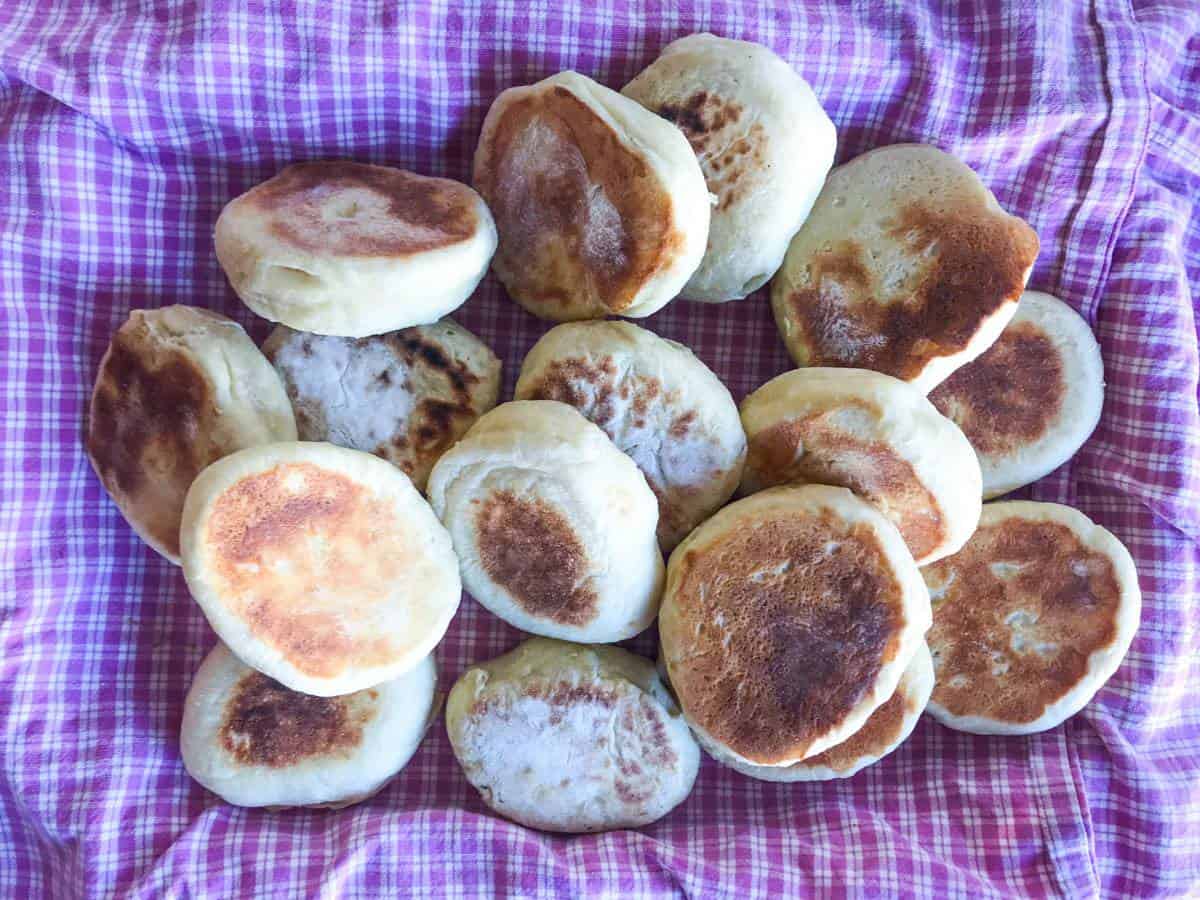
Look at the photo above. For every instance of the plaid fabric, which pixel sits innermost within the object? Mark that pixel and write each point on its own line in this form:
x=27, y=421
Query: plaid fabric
x=127, y=125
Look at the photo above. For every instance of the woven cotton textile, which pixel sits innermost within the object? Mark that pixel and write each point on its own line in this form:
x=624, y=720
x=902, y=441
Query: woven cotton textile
x=124, y=127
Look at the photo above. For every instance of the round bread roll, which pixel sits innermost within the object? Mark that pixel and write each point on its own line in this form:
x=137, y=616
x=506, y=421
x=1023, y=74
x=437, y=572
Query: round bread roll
x=554, y=526
x=906, y=265
x=600, y=204
x=571, y=737
x=254, y=742
x=788, y=618
x=339, y=247
x=764, y=144
x=871, y=433
x=319, y=566
x=1030, y=401
x=1030, y=619
x=658, y=403
x=405, y=396
x=887, y=728
x=179, y=388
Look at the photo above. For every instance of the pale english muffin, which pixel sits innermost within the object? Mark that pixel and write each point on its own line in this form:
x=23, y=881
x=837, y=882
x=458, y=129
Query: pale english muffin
x=887, y=728
x=339, y=247
x=571, y=737
x=554, y=526
x=600, y=204
x=1030, y=401
x=658, y=403
x=405, y=396
x=1030, y=619
x=787, y=620
x=906, y=265
x=254, y=742
x=179, y=388
x=321, y=567
x=871, y=433
x=764, y=145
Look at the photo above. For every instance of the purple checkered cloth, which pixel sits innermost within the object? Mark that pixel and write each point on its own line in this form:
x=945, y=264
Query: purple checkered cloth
x=126, y=126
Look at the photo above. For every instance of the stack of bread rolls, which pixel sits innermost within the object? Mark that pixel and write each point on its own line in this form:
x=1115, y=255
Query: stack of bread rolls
x=820, y=562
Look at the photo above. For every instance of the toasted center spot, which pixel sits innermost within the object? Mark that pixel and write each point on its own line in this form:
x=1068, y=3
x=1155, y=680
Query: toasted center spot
x=779, y=639
x=266, y=724
x=530, y=549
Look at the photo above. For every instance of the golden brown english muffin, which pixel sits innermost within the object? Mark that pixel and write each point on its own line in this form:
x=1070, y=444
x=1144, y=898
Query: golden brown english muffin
x=600, y=204
x=179, y=388
x=787, y=620
x=321, y=567
x=405, y=396
x=906, y=265
x=554, y=526
x=571, y=737
x=887, y=728
x=1030, y=619
x=875, y=435
x=254, y=742
x=763, y=142
x=660, y=405
x=340, y=247
x=1030, y=401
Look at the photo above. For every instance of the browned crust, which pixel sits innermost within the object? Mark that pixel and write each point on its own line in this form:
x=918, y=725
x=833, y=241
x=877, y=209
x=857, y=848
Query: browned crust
x=530, y=550
x=977, y=264
x=426, y=213
x=776, y=638
x=874, y=739
x=1065, y=596
x=435, y=421
x=267, y=724
x=726, y=150
x=151, y=430
x=813, y=450
x=256, y=522
x=1008, y=397
x=554, y=256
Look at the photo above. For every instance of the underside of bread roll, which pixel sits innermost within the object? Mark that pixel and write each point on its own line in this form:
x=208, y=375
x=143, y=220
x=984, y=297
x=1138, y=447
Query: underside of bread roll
x=179, y=388
x=319, y=566
x=764, y=145
x=254, y=742
x=875, y=435
x=345, y=248
x=788, y=618
x=1030, y=619
x=554, y=526
x=600, y=205
x=906, y=265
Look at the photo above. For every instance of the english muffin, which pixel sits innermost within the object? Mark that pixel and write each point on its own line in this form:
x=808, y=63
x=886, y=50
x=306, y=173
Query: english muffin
x=1030, y=619
x=254, y=742
x=657, y=402
x=764, y=144
x=906, y=265
x=571, y=737
x=600, y=204
x=887, y=728
x=321, y=567
x=346, y=248
x=178, y=388
x=871, y=433
x=554, y=526
x=1029, y=402
x=405, y=396
x=787, y=620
